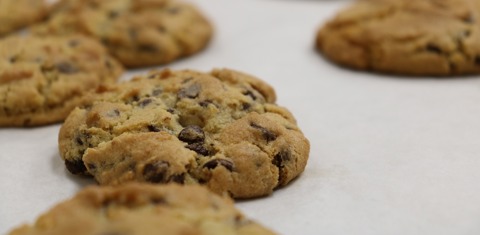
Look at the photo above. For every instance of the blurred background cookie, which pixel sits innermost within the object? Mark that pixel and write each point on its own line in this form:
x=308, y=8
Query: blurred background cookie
x=138, y=33
x=140, y=209
x=16, y=14
x=426, y=37
x=43, y=79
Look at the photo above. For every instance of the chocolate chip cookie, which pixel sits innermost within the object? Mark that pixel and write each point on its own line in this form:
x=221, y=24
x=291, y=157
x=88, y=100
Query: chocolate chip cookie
x=220, y=129
x=16, y=14
x=43, y=79
x=137, y=32
x=427, y=37
x=141, y=209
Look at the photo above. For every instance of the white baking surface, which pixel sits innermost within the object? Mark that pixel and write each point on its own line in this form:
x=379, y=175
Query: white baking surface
x=389, y=155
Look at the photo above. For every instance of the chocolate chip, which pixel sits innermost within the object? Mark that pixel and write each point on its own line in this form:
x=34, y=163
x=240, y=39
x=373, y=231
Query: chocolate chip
x=267, y=135
x=133, y=33
x=205, y=103
x=156, y=172
x=173, y=10
x=180, y=179
x=13, y=59
x=147, y=48
x=192, y=134
x=79, y=140
x=433, y=48
x=113, y=14
x=158, y=200
x=246, y=106
x=279, y=161
x=281, y=157
x=189, y=92
x=91, y=166
x=170, y=110
x=76, y=166
x=65, y=67
x=153, y=128
x=198, y=147
x=469, y=19
x=145, y=102
x=73, y=43
x=108, y=64
x=157, y=92
x=216, y=162
x=250, y=93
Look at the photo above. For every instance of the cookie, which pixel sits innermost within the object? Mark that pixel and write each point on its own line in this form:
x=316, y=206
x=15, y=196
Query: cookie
x=141, y=209
x=220, y=129
x=425, y=38
x=16, y=14
x=137, y=32
x=43, y=79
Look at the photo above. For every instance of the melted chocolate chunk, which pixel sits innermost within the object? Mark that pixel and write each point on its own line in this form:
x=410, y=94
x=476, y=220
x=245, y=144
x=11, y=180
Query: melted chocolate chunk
x=67, y=68
x=153, y=128
x=170, y=110
x=156, y=172
x=219, y=162
x=192, y=134
x=433, y=48
x=267, y=135
x=76, y=166
x=281, y=157
x=199, y=148
x=279, y=161
x=477, y=60
x=180, y=179
x=189, y=92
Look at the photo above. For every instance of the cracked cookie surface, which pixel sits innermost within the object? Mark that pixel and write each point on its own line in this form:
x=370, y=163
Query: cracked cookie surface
x=220, y=129
x=136, y=32
x=16, y=14
x=427, y=37
x=43, y=79
x=141, y=209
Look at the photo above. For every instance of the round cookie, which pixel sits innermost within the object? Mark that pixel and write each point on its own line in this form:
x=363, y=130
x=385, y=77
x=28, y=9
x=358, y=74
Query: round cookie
x=137, y=32
x=16, y=14
x=220, y=129
x=428, y=37
x=141, y=209
x=43, y=79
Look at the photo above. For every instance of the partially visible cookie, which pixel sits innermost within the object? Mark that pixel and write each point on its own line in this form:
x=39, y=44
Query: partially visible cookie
x=43, y=79
x=427, y=37
x=220, y=129
x=16, y=14
x=137, y=32
x=141, y=209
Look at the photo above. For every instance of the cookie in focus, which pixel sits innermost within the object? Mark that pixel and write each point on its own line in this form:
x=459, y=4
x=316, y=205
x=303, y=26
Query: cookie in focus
x=43, y=79
x=221, y=129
